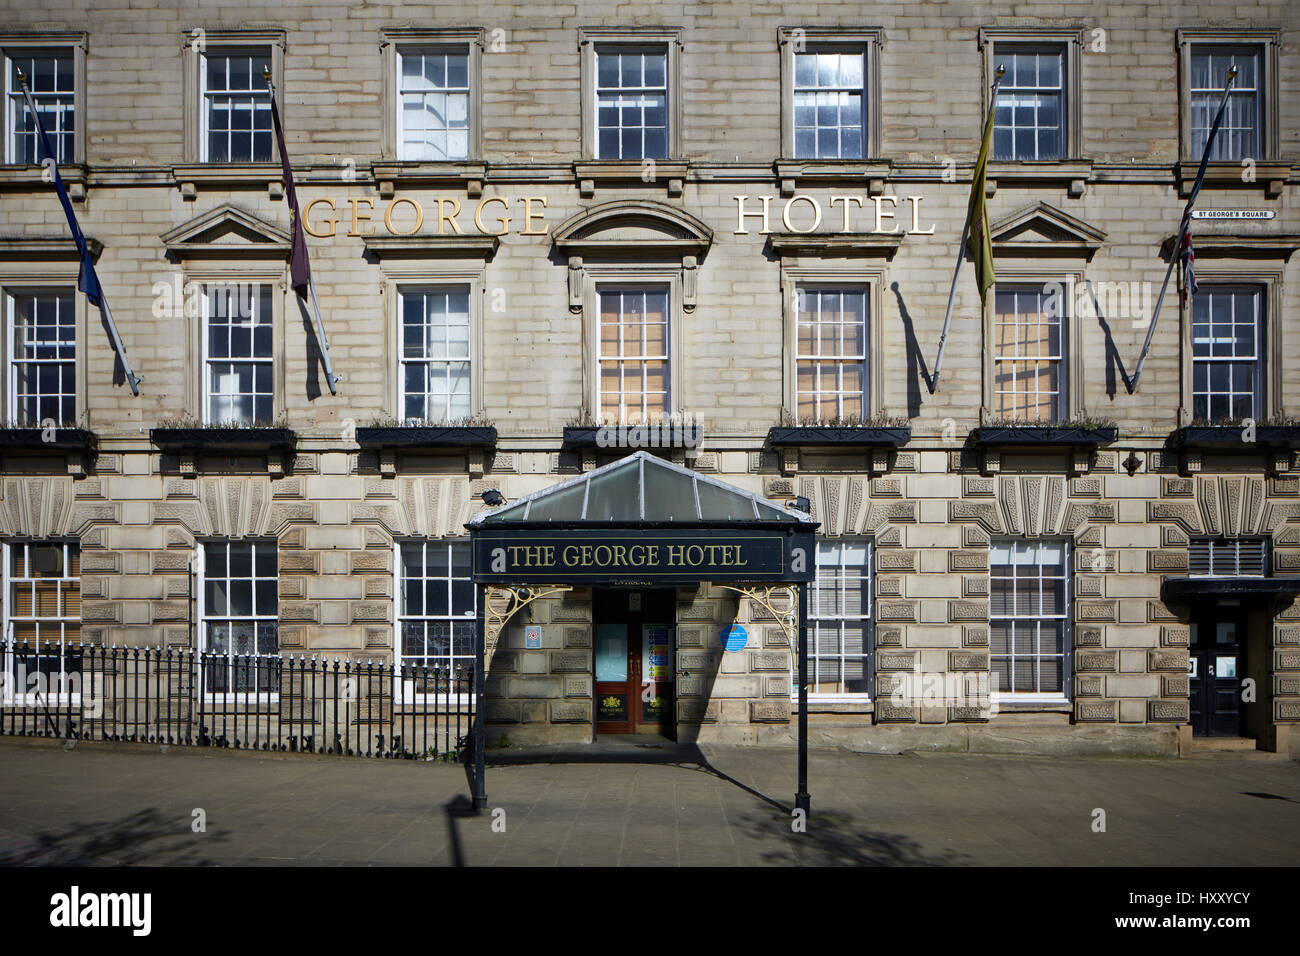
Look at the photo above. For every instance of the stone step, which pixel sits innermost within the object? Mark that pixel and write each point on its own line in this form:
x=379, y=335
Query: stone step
x=1210, y=744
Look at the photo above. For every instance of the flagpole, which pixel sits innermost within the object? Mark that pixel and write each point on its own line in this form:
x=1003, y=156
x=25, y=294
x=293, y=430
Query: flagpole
x=330, y=377
x=933, y=383
x=1184, y=226
x=79, y=240
x=291, y=194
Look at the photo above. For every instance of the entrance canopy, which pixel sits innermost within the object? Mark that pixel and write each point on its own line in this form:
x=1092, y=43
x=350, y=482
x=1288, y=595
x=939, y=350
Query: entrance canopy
x=642, y=521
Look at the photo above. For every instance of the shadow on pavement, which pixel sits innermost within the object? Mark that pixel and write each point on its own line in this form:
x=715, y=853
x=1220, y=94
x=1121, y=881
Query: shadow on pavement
x=659, y=753
x=833, y=840
x=132, y=839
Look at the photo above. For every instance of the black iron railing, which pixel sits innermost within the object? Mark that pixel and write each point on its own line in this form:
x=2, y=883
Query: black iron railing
x=246, y=702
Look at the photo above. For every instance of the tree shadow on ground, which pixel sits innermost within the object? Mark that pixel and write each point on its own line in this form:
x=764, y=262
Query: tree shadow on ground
x=833, y=839
x=145, y=837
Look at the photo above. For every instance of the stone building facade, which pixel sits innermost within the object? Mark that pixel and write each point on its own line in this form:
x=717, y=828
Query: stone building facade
x=518, y=181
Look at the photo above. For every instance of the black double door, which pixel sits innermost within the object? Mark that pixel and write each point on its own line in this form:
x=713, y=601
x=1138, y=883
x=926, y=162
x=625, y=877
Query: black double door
x=1216, y=667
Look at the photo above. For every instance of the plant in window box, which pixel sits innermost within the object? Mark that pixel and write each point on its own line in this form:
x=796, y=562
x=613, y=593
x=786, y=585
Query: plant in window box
x=580, y=431
x=49, y=434
x=850, y=430
x=189, y=433
x=1277, y=431
x=474, y=431
x=1080, y=430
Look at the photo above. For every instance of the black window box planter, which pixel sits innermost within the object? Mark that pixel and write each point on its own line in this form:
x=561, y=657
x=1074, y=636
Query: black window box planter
x=33, y=439
x=1040, y=435
x=222, y=440
x=580, y=436
x=838, y=435
x=1231, y=437
x=450, y=436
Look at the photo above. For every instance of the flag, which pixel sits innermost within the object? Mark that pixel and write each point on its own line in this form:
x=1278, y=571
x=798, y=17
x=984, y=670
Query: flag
x=1185, y=251
x=979, y=242
x=87, y=278
x=1188, y=256
x=299, y=264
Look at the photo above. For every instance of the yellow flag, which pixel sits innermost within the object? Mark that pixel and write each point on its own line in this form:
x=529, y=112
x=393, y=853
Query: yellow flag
x=981, y=248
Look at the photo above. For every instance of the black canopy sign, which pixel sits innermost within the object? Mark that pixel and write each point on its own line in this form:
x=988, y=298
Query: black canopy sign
x=642, y=556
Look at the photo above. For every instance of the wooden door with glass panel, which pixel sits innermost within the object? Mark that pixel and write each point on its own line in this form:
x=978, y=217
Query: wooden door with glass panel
x=633, y=638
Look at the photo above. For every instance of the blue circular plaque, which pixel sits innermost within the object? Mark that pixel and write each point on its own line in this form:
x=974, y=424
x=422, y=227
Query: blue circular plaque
x=734, y=637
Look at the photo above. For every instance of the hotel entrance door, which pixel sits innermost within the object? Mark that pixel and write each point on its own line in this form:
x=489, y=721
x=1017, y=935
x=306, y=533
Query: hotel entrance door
x=1215, y=669
x=633, y=637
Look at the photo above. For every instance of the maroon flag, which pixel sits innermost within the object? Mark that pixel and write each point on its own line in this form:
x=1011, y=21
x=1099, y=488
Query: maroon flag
x=299, y=264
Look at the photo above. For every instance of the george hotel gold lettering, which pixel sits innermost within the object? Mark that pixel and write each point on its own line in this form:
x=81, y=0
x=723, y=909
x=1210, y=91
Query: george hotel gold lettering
x=403, y=216
x=526, y=215
x=803, y=214
x=627, y=556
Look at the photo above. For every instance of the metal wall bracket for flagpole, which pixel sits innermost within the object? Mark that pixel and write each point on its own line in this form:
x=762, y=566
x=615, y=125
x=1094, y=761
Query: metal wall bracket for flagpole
x=933, y=382
x=1184, y=228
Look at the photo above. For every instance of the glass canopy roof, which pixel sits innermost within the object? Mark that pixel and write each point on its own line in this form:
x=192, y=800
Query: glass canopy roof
x=641, y=487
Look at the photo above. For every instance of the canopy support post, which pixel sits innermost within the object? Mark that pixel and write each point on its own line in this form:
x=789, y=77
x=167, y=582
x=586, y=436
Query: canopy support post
x=802, y=800
x=480, y=735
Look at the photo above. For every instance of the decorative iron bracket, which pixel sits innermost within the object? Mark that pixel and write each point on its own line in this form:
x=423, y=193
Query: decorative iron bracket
x=502, y=603
x=763, y=594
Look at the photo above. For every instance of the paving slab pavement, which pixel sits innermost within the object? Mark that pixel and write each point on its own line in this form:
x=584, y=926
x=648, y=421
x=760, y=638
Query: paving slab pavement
x=638, y=805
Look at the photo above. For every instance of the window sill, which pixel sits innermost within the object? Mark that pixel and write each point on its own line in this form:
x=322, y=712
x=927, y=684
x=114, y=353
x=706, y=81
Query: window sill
x=1269, y=176
x=835, y=244
x=1031, y=704
x=191, y=176
x=431, y=247
x=805, y=436
x=593, y=173
x=868, y=173
x=25, y=177
x=392, y=174
x=45, y=250
x=835, y=704
x=1239, y=245
x=1073, y=173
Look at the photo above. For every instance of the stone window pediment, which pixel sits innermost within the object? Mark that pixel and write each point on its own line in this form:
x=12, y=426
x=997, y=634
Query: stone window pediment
x=226, y=232
x=629, y=234
x=1042, y=229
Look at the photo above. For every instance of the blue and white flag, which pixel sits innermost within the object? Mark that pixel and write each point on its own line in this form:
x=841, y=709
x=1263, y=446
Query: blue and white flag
x=87, y=279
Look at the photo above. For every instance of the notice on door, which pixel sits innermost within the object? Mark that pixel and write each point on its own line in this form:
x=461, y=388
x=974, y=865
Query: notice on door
x=657, y=653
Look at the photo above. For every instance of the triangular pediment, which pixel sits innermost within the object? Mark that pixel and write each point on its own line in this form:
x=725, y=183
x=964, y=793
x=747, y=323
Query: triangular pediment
x=226, y=231
x=633, y=225
x=1043, y=229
